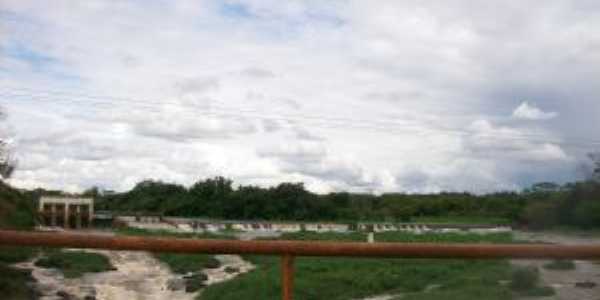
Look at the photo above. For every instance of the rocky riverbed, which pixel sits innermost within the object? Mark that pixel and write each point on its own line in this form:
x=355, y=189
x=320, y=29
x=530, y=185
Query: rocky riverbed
x=138, y=275
x=581, y=283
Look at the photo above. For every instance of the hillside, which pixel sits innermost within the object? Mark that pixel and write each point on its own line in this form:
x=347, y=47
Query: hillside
x=17, y=210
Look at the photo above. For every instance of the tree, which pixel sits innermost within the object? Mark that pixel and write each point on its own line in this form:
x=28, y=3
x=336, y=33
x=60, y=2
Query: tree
x=595, y=159
x=7, y=162
x=540, y=215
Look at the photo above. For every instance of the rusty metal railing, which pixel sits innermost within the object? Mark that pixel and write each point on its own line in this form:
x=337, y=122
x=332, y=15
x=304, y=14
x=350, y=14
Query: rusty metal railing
x=290, y=249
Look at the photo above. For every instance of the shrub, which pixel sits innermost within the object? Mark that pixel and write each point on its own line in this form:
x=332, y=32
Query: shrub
x=560, y=265
x=14, y=284
x=525, y=278
x=541, y=215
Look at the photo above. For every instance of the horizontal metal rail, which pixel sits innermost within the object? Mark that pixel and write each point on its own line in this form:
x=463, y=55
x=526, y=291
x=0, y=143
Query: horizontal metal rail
x=302, y=248
x=289, y=249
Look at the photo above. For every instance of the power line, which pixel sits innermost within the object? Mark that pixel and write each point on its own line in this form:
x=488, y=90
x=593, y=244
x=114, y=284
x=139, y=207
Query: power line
x=100, y=102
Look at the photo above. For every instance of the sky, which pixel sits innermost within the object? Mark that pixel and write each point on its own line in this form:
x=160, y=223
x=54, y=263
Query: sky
x=359, y=96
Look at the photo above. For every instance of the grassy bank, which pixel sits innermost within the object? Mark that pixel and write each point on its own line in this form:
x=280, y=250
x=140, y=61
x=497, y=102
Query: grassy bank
x=74, y=264
x=350, y=278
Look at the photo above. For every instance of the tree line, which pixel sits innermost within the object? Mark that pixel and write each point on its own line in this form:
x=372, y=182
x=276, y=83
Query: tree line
x=542, y=205
x=216, y=198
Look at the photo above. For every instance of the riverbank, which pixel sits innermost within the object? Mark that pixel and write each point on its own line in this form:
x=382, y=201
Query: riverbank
x=578, y=283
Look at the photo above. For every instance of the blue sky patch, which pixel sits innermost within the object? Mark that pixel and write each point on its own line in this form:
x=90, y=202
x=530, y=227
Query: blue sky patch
x=23, y=53
x=235, y=10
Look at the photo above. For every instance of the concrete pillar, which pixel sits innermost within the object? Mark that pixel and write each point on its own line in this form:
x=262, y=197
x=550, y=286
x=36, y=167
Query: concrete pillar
x=371, y=238
x=52, y=214
x=90, y=215
x=66, y=223
x=78, y=216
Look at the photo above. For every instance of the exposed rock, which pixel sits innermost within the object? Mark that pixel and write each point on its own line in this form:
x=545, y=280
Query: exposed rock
x=232, y=261
x=586, y=285
x=88, y=290
x=212, y=263
x=196, y=276
x=139, y=276
x=64, y=295
x=195, y=282
x=176, y=284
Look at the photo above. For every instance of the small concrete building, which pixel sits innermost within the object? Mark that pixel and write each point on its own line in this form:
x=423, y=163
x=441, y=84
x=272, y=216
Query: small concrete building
x=66, y=212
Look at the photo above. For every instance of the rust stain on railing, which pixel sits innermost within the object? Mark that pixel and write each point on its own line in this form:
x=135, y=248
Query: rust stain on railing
x=289, y=249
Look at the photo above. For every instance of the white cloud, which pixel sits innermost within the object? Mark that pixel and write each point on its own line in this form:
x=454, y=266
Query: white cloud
x=343, y=95
x=513, y=143
x=528, y=111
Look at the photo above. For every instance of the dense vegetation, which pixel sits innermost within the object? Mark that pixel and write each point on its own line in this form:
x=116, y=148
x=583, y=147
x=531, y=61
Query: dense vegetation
x=16, y=212
x=352, y=278
x=544, y=205
x=17, y=209
x=216, y=198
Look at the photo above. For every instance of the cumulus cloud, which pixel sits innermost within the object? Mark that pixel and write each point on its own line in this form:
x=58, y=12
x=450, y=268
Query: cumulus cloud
x=517, y=144
x=324, y=171
x=392, y=96
x=197, y=85
x=528, y=111
x=257, y=73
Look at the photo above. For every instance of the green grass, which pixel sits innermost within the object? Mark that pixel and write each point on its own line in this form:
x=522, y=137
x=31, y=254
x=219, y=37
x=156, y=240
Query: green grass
x=461, y=220
x=563, y=265
x=179, y=263
x=407, y=237
x=74, y=264
x=186, y=263
x=490, y=292
x=13, y=255
x=325, y=236
x=351, y=278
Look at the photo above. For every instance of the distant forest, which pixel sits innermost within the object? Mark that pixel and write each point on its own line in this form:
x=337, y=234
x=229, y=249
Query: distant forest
x=543, y=205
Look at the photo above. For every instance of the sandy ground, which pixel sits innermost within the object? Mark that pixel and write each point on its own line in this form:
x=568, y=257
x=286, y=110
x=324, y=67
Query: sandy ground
x=564, y=282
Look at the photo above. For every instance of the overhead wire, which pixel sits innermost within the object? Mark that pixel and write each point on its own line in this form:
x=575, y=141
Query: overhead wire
x=100, y=102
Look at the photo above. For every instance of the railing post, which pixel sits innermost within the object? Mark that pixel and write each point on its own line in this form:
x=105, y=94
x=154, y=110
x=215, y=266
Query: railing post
x=287, y=277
